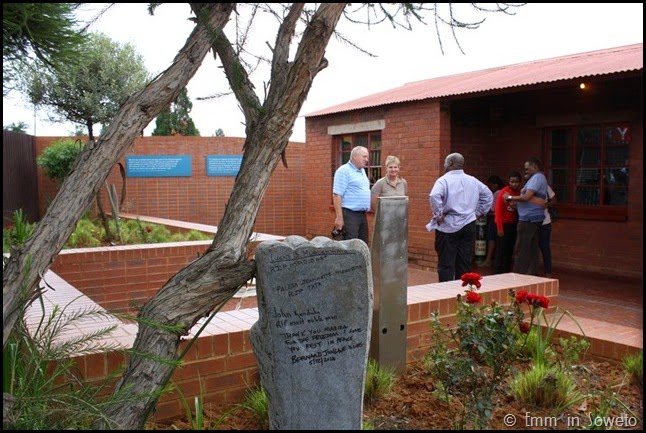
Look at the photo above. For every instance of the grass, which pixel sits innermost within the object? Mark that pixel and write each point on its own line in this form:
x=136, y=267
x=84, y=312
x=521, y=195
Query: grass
x=545, y=386
x=634, y=366
x=258, y=403
x=379, y=381
x=198, y=421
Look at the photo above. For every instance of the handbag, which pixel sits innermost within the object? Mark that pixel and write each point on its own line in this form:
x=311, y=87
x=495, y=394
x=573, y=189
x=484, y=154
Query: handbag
x=554, y=213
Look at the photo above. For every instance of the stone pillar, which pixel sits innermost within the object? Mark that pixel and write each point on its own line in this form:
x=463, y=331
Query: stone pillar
x=389, y=255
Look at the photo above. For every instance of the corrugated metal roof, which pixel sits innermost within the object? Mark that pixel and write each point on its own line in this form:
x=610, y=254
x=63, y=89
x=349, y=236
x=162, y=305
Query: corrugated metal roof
x=600, y=62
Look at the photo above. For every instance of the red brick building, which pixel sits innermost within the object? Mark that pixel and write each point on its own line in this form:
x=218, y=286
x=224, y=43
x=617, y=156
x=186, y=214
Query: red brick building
x=580, y=114
x=590, y=139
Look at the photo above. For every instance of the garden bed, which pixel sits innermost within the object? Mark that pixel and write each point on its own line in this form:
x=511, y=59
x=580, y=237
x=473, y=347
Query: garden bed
x=413, y=405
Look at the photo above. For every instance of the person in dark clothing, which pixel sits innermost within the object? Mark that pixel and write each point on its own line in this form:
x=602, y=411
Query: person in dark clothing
x=495, y=184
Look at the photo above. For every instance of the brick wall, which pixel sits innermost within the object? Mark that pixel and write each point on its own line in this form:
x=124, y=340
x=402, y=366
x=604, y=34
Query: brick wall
x=201, y=198
x=221, y=366
x=122, y=278
x=417, y=133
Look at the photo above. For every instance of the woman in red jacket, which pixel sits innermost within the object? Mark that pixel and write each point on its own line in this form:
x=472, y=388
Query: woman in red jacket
x=506, y=218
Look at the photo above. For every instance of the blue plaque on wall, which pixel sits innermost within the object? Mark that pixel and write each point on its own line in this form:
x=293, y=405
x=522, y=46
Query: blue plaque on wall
x=158, y=166
x=223, y=165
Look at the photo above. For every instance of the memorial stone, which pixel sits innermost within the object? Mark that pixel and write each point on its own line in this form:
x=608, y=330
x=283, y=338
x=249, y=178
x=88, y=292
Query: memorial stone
x=312, y=336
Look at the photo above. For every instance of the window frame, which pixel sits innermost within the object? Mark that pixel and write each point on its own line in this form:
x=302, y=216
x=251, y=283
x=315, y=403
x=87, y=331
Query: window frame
x=344, y=144
x=571, y=172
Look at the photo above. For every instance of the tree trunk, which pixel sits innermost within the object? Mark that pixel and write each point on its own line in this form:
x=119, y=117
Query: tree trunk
x=26, y=266
x=211, y=280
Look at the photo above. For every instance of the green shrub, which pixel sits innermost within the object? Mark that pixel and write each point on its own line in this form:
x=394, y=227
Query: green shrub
x=545, y=386
x=177, y=237
x=472, y=359
x=572, y=349
x=159, y=234
x=196, y=235
x=532, y=345
x=22, y=228
x=41, y=375
x=18, y=234
x=58, y=158
x=86, y=235
x=91, y=233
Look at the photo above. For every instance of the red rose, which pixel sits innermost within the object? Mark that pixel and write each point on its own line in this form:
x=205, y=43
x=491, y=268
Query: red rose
x=473, y=298
x=531, y=299
x=524, y=327
x=521, y=296
x=472, y=278
x=543, y=301
x=536, y=300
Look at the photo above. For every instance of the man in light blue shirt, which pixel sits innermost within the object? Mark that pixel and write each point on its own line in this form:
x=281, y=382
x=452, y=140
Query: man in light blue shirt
x=457, y=199
x=351, y=196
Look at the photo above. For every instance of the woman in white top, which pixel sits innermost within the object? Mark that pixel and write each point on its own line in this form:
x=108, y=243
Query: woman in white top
x=545, y=234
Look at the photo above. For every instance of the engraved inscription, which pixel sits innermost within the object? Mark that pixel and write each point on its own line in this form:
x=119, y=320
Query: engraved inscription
x=312, y=336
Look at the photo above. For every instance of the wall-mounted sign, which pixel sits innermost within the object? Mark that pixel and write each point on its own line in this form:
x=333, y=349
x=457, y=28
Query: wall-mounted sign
x=223, y=165
x=158, y=166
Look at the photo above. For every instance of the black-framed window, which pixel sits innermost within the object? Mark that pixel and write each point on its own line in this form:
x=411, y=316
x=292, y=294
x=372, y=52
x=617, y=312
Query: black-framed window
x=369, y=140
x=587, y=167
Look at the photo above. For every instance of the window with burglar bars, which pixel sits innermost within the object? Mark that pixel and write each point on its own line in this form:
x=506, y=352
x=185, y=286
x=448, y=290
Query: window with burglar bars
x=369, y=140
x=587, y=167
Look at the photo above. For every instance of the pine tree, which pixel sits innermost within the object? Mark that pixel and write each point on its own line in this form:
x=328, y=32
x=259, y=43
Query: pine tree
x=175, y=119
x=45, y=32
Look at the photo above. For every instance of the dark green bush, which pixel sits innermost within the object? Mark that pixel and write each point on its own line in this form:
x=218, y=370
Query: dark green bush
x=58, y=158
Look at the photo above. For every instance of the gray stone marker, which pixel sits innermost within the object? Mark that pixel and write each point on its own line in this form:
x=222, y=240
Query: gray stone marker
x=389, y=253
x=312, y=336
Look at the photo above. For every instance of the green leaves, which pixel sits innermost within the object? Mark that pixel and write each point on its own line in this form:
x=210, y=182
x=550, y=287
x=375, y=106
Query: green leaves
x=45, y=32
x=57, y=160
x=472, y=359
x=90, y=90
